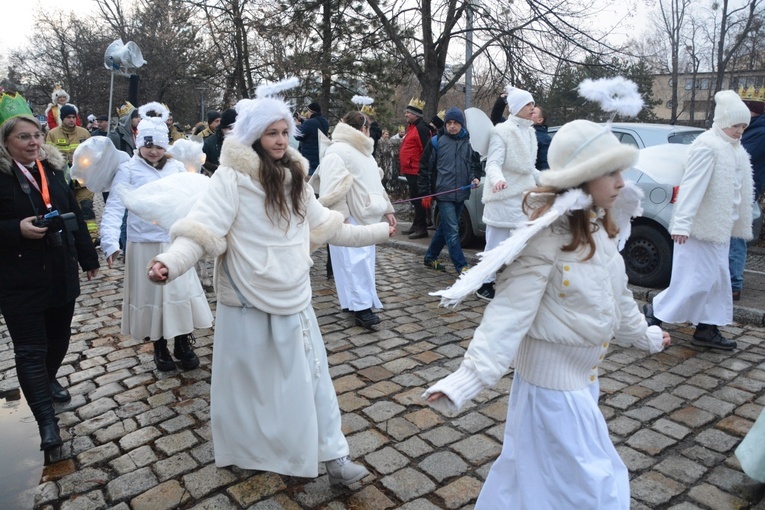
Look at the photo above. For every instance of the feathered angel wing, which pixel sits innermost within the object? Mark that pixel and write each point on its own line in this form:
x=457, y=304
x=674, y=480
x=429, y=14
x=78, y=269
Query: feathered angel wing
x=95, y=163
x=509, y=249
x=626, y=207
x=165, y=201
x=189, y=153
x=479, y=126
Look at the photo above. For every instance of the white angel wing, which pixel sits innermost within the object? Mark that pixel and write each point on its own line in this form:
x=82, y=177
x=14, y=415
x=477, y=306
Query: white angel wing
x=95, y=162
x=165, y=201
x=189, y=153
x=479, y=126
x=509, y=249
x=324, y=143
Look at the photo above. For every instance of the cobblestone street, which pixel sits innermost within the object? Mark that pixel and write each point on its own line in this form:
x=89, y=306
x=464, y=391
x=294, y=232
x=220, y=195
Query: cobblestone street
x=136, y=438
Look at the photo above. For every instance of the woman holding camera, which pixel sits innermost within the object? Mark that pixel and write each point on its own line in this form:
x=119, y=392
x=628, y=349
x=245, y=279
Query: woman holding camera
x=39, y=279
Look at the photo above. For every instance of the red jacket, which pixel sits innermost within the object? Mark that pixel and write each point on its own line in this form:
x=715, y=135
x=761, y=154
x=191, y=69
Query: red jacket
x=417, y=135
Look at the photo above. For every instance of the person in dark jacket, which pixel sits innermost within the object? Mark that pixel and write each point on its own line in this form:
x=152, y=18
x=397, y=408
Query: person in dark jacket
x=543, y=138
x=309, y=136
x=449, y=162
x=39, y=278
x=213, y=144
x=497, y=115
x=102, y=126
x=753, y=141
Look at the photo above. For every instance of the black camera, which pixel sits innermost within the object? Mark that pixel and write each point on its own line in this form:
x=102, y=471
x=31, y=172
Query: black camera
x=57, y=224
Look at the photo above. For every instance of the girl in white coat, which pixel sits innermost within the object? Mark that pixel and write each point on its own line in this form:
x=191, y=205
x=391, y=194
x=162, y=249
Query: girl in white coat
x=560, y=302
x=272, y=403
x=510, y=171
x=148, y=311
x=349, y=181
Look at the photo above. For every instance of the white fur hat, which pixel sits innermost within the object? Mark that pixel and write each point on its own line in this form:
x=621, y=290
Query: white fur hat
x=253, y=116
x=58, y=92
x=152, y=131
x=730, y=110
x=582, y=151
x=517, y=99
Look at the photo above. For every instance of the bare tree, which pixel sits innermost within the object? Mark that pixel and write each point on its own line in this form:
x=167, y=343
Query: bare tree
x=670, y=19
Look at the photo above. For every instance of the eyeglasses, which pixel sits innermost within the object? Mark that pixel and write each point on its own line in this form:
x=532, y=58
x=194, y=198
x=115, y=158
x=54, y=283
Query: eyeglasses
x=26, y=137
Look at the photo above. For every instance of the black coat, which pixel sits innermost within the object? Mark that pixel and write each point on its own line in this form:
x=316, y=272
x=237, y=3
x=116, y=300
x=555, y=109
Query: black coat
x=33, y=274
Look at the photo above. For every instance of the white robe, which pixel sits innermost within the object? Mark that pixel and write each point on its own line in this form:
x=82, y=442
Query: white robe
x=272, y=403
x=354, y=273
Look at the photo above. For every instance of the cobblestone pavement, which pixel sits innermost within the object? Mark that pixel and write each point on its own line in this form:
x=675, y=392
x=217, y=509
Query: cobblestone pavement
x=139, y=439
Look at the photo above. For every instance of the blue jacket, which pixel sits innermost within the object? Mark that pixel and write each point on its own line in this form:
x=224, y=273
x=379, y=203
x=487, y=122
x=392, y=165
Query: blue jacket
x=754, y=143
x=449, y=162
x=309, y=139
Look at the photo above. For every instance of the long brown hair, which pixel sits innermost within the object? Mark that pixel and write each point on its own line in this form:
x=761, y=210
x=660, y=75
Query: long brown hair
x=539, y=200
x=272, y=175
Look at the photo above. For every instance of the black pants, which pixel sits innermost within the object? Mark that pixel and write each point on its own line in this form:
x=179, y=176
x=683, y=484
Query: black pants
x=419, y=211
x=40, y=341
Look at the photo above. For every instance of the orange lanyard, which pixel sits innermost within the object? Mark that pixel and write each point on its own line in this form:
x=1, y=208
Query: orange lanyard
x=44, y=191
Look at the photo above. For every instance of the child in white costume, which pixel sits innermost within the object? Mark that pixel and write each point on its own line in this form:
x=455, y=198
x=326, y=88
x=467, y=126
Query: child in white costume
x=272, y=403
x=349, y=181
x=148, y=311
x=557, y=307
x=714, y=204
x=510, y=171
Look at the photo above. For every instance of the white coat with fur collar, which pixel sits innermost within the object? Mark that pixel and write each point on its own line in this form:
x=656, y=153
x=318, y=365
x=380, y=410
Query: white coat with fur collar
x=268, y=263
x=512, y=158
x=714, y=202
x=348, y=179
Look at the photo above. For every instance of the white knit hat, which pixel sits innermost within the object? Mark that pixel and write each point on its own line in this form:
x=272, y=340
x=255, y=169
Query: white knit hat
x=730, y=110
x=517, y=99
x=253, y=116
x=582, y=151
x=152, y=130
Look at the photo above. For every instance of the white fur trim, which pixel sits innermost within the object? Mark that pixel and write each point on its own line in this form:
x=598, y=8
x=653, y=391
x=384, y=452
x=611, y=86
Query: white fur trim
x=320, y=234
x=155, y=107
x=210, y=243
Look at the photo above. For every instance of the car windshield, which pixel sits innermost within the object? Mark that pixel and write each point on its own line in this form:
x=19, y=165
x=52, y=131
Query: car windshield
x=685, y=138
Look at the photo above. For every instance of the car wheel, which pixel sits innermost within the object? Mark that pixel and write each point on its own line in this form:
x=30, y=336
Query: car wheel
x=466, y=230
x=648, y=257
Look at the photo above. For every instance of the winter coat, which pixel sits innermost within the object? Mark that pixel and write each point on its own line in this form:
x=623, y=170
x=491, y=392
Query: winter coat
x=543, y=144
x=309, y=139
x=417, y=135
x=134, y=173
x=34, y=274
x=123, y=136
x=512, y=154
x=709, y=206
x=211, y=147
x=269, y=263
x=349, y=180
x=553, y=316
x=67, y=139
x=754, y=143
x=449, y=162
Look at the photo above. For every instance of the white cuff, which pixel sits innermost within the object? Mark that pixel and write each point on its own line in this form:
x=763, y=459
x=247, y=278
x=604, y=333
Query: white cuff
x=655, y=339
x=459, y=387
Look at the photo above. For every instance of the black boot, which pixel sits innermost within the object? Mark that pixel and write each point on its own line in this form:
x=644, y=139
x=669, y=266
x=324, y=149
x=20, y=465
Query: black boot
x=162, y=356
x=649, y=316
x=58, y=392
x=366, y=319
x=183, y=351
x=33, y=379
x=707, y=335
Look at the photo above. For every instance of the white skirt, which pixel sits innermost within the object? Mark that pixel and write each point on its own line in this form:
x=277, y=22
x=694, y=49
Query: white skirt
x=157, y=311
x=272, y=403
x=700, y=290
x=556, y=454
x=354, y=270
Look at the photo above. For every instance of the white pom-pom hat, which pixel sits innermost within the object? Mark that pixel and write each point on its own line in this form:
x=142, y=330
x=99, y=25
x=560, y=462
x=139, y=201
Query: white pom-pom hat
x=253, y=116
x=517, y=99
x=582, y=151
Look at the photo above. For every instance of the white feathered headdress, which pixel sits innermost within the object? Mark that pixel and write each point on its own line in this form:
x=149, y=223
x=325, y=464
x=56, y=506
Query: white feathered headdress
x=158, y=109
x=253, y=116
x=616, y=95
x=362, y=100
